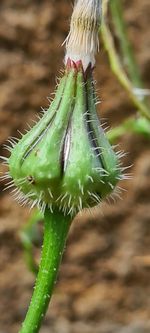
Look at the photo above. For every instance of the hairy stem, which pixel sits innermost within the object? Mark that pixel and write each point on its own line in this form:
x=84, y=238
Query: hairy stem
x=56, y=227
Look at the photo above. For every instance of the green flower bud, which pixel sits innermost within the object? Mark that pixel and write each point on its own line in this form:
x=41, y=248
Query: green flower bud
x=65, y=160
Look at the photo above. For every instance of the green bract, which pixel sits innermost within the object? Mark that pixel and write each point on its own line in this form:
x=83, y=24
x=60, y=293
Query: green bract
x=65, y=160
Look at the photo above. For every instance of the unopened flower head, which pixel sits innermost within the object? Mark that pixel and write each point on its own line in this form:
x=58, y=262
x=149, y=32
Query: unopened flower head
x=82, y=42
x=66, y=161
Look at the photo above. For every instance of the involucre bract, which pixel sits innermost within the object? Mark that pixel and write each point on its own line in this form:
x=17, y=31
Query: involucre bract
x=65, y=160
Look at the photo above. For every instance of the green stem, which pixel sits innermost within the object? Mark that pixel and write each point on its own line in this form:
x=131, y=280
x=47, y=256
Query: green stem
x=117, y=67
x=116, y=132
x=30, y=235
x=56, y=227
x=127, y=51
x=138, y=125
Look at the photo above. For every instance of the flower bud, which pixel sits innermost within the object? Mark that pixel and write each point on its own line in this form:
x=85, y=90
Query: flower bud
x=65, y=160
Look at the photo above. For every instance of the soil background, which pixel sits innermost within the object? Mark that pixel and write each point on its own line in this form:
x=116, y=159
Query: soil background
x=103, y=285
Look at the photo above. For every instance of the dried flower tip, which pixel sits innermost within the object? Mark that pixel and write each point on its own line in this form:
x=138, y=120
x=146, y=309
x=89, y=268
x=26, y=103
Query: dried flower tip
x=82, y=42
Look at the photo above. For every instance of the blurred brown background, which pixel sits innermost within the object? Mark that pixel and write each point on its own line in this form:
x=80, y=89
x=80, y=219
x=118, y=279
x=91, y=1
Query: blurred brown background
x=103, y=284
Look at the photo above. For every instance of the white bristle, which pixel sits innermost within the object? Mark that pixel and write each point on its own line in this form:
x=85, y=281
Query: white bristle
x=82, y=42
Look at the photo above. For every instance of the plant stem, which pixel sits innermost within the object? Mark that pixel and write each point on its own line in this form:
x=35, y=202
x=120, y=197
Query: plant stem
x=127, y=51
x=138, y=125
x=56, y=227
x=116, y=132
x=30, y=235
x=117, y=67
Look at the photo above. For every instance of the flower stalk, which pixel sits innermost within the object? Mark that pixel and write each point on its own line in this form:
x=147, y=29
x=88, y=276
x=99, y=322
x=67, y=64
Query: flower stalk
x=56, y=227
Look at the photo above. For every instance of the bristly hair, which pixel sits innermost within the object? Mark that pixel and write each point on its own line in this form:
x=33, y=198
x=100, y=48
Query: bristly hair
x=82, y=42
